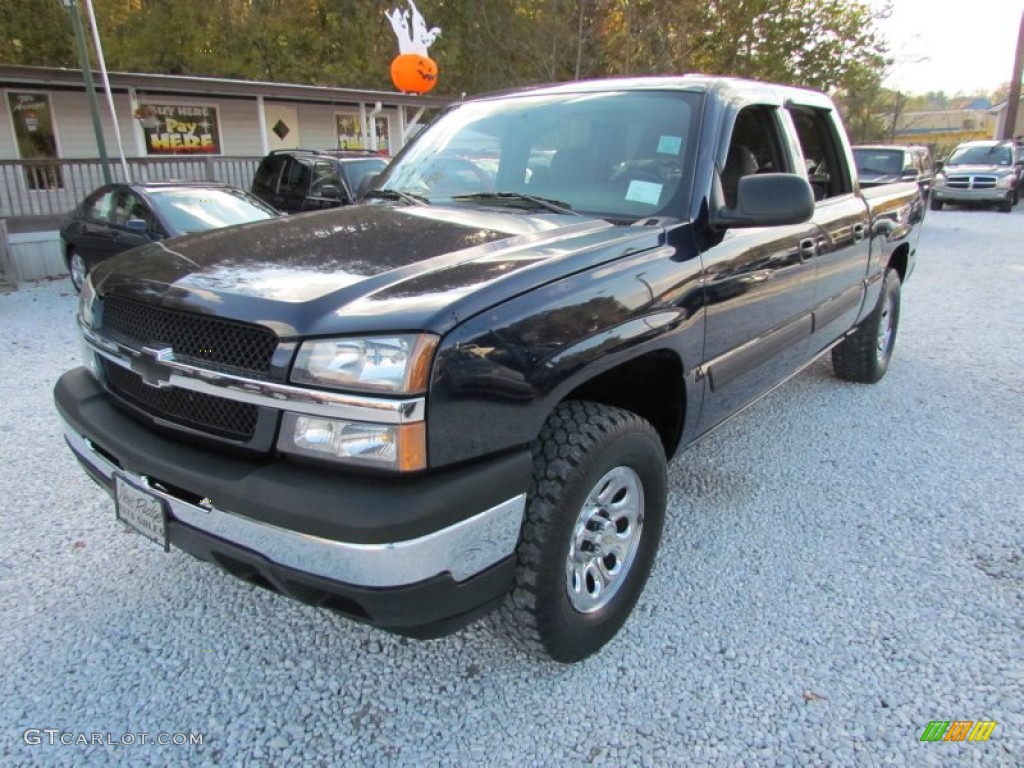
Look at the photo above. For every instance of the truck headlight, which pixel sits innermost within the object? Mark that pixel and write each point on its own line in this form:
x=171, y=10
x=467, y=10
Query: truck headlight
x=86, y=299
x=388, y=446
x=398, y=364
x=939, y=180
x=1009, y=181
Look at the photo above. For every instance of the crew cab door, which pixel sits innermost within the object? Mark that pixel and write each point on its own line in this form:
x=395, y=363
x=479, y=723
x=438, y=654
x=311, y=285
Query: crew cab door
x=842, y=242
x=759, y=283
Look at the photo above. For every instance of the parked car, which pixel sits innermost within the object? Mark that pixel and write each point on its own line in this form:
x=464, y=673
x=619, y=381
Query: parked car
x=462, y=395
x=296, y=180
x=117, y=217
x=980, y=172
x=887, y=163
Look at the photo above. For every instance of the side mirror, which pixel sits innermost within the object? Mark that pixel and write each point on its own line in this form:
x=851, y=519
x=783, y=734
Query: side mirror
x=768, y=200
x=332, y=191
x=910, y=175
x=939, y=164
x=137, y=226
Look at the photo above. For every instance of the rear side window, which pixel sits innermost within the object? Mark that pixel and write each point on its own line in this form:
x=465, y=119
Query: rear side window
x=266, y=175
x=99, y=206
x=298, y=176
x=826, y=164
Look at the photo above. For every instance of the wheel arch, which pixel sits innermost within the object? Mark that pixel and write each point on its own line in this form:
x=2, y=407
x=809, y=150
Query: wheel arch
x=650, y=385
x=899, y=261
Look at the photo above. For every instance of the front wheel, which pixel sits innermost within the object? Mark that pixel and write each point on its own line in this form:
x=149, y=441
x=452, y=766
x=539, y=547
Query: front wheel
x=591, y=530
x=1006, y=205
x=77, y=269
x=864, y=355
x=935, y=205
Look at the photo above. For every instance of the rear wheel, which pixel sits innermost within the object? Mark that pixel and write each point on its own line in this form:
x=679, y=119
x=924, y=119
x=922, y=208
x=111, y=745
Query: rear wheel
x=591, y=531
x=864, y=355
x=77, y=269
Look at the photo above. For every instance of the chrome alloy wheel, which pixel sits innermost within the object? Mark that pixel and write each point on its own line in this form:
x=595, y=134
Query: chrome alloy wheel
x=604, y=540
x=885, y=323
x=78, y=270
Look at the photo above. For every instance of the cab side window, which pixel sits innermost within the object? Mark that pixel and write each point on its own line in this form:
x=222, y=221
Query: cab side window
x=754, y=147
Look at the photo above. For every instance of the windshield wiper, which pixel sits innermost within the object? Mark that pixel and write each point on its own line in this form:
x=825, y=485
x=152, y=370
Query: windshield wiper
x=514, y=198
x=396, y=194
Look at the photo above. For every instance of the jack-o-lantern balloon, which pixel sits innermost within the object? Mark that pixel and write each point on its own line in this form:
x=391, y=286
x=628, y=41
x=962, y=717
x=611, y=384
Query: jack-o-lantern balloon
x=412, y=73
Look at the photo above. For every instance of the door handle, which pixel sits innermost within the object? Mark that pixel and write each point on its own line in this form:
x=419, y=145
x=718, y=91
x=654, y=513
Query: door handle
x=858, y=232
x=808, y=248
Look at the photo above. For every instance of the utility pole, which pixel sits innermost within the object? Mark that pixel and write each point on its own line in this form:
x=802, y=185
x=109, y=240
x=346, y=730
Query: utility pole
x=1013, y=98
x=90, y=88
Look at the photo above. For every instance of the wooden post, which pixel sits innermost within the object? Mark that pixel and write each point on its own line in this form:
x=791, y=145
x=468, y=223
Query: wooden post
x=1013, y=98
x=7, y=281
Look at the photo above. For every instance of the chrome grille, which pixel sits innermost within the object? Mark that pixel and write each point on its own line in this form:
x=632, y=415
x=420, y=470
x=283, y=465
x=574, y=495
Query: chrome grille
x=195, y=410
x=971, y=182
x=209, y=342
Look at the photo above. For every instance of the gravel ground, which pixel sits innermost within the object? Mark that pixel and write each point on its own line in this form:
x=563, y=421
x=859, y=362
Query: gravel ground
x=842, y=564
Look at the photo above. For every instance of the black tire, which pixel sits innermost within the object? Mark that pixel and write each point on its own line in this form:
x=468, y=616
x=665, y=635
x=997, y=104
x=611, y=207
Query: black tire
x=935, y=205
x=1005, y=206
x=77, y=269
x=585, y=449
x=864, y=355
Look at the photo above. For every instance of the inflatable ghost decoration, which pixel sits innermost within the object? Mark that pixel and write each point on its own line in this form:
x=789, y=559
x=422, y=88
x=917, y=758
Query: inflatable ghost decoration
x=413, y=71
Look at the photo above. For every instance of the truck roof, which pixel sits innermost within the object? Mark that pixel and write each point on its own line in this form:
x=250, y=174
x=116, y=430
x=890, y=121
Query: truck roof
x=722, y=86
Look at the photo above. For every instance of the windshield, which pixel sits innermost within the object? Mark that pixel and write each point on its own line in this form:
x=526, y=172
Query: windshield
x=619, y=155
x=197, y=210
x=991, y=155
x=878, y=162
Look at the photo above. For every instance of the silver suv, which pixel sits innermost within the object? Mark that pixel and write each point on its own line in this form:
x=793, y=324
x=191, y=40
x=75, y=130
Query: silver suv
x=986, y=172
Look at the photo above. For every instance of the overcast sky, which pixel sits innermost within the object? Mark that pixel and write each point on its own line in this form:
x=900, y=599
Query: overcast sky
x=967, y=46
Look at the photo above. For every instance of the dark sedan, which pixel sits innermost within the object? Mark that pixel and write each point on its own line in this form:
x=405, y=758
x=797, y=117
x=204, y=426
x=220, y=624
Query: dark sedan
x=117, y=217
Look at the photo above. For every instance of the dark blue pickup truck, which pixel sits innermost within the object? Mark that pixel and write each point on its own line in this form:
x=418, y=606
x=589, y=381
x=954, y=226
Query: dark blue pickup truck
x=460, y=395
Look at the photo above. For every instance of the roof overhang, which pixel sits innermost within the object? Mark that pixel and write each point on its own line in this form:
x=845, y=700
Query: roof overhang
x=187, y=85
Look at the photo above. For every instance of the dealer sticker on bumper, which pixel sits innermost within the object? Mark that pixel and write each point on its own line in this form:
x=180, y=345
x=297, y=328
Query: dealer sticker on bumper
x=141, y=510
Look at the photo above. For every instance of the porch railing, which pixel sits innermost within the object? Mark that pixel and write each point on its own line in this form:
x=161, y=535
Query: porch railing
x=54, y=187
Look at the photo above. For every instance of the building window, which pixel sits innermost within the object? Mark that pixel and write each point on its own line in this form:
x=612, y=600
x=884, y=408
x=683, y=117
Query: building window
x=174, y=129
x=36, y=139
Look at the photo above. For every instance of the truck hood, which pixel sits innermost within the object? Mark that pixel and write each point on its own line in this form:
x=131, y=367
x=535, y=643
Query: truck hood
x=366, y=268
x=995, y=170
x=875, y=179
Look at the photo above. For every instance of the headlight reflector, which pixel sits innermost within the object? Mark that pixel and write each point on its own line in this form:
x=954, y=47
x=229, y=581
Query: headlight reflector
x=392, y=364
x=85, y=302
x=388, y=446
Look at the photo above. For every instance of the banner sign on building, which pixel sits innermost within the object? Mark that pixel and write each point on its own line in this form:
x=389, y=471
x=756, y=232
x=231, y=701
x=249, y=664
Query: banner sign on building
x=350, y=133
x=173, y=129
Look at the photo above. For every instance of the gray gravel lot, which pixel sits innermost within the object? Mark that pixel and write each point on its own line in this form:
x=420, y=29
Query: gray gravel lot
x=841, y=565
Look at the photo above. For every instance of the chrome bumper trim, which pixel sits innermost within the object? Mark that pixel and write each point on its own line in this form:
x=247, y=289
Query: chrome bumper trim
x=463, y=549
x=267, y=394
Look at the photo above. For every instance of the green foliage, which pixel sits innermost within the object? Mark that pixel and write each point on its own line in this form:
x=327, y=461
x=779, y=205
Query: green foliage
x=36, y=32
x=485, y=45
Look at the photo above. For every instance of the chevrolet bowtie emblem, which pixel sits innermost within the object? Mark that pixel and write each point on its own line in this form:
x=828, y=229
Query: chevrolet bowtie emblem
x=148, y=363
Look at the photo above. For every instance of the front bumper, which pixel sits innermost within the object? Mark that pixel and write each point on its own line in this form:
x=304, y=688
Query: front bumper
x=418, y=555
x=994, y=195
